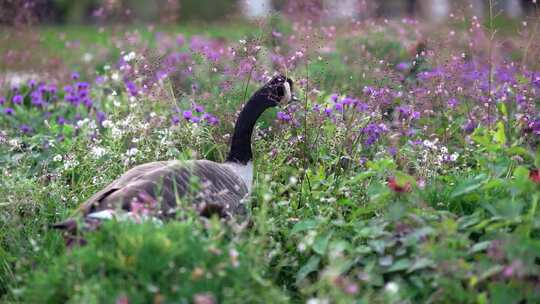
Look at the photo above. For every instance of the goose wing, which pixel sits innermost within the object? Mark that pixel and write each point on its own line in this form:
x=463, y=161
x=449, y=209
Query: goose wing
x=210, y=186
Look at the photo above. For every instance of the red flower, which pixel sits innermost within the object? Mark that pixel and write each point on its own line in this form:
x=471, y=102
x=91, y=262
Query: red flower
x=534, y=176
x=396, y=187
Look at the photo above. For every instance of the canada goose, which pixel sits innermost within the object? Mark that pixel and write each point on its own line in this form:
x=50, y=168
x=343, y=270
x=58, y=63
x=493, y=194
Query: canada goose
x=159, y=186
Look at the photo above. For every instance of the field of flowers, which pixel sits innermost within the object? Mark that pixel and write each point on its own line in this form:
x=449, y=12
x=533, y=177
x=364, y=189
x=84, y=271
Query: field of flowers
x=408, y=173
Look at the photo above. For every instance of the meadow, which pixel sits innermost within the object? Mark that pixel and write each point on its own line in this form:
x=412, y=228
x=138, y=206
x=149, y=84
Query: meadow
x=407, y=173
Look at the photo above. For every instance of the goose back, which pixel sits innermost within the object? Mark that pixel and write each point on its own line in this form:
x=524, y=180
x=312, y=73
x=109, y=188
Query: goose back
x=208, y=186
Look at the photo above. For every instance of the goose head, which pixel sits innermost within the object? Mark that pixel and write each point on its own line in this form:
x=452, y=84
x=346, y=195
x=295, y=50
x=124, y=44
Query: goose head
x=277, y=92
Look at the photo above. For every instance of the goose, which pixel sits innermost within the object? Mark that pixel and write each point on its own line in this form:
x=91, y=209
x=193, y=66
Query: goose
x=163, y=186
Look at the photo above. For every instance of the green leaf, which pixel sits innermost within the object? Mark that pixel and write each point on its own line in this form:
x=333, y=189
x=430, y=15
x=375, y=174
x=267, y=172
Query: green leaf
x=494, y=184
x=516, y=150
x=478, y=247
x=502, y=108
x=403, y=179
x=490, y=272
x=377, y=245
x=363, y=249
x=362, y=176
x=304, y=225
x=500, y=136
x=421, y=263
x=400, y=265
x=311, y=266
x=321, y=243
x=470, y=185
x=537, y=159
x=502, y=293
x=521, y=174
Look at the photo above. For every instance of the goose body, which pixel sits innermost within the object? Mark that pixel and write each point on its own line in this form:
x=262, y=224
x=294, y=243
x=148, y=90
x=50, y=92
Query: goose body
x=162, y=188
x=163, y=185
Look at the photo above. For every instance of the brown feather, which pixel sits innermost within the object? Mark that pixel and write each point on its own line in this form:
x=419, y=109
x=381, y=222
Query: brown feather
x=199, y=183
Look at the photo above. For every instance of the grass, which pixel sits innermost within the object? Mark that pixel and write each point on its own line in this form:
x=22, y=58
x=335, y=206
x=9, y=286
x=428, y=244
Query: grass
x=377, y=190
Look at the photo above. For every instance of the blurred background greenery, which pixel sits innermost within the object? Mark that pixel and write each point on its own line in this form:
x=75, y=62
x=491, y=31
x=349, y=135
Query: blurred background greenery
x=173, y=11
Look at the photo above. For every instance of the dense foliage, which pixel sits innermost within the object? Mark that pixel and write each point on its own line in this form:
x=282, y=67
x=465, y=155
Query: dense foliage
x=408, y=173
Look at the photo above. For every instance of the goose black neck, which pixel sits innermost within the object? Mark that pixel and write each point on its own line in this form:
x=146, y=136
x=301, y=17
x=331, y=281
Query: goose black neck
x=241, y=140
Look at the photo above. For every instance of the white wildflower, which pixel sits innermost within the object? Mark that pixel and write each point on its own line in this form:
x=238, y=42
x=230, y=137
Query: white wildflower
x=87, y=57
x=57, y=158
x=391, y=287
x=14, y=142
x=107, y=123
x=317, y=301
x=98, y=152
x=116, y=132
x=293, y=180
x=132, y=152
x=129, y=57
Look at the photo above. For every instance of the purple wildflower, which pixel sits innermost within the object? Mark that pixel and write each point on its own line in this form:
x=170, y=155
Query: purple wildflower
x=453, y=102
x=198, y=108
x=347, y=101
x=9, y=111
x=132, y=88
x=212, y=120
x=180, y=40
x=334, y=97
x=99, y=80
x=75, y=76
x=82, y=86
x=175, y=119
x=25, y=129
x=2, y=101
x=36, y=98
x=60, y=120
x=42, y=88
x=402, y=66
x=516, y=268
x=284, y=117
x=536, y=80
x=17, y=99
x=404, y=111
x=469, y=126
x=187, y=115
x=373, y=132
x=52, y=89
x=82, y=94
x=277, y=34
x=534, y=126
x=328, y=111
x=100, y=117
x=361, y=106
x=521, y=99
x=87, y=102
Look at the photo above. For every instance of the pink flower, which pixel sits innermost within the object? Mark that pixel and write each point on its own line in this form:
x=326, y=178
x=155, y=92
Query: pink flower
x=534, y=176
x=396, y=187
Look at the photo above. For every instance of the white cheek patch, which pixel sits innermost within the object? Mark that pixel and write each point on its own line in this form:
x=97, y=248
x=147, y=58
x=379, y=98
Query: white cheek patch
x=288, y=96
